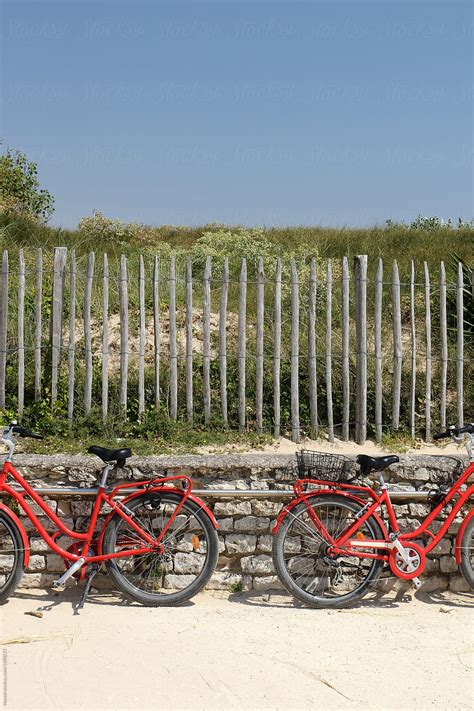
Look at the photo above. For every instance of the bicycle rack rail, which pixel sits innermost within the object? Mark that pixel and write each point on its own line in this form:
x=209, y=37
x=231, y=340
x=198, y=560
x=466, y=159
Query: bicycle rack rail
x=396, y=495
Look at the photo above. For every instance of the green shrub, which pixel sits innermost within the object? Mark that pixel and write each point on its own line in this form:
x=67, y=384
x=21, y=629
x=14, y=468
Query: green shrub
x=20, y=192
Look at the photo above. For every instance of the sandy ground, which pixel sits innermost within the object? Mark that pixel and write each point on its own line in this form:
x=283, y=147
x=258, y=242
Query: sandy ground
x=286, y=446
x=223, y=651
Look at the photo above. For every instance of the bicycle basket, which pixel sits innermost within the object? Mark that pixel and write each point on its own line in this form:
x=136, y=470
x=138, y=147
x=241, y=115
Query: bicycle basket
x=327, y=467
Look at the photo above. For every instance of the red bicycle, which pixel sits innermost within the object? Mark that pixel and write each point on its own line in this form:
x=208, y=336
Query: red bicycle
x=330, y=543
x=158, y=541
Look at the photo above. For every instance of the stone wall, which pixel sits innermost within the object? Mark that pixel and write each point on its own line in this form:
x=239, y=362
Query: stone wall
x=244, y=524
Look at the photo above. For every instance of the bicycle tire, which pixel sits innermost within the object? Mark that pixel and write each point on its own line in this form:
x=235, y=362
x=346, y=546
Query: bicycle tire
x=278, y=553
x=158, y=599
x=467, y=553
x=11, y=581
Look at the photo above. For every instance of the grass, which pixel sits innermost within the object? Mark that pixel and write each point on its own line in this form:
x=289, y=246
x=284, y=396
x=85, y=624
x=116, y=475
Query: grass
x=236, y=588
x=189, y=442
x=395, y=242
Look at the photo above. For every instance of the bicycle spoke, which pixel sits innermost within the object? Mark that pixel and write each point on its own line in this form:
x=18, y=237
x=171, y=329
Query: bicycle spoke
x=307, y=556
x=181, y=558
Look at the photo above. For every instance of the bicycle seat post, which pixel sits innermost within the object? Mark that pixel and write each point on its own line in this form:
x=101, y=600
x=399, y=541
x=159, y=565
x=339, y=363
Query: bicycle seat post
x=105, y=474
x=383, y=485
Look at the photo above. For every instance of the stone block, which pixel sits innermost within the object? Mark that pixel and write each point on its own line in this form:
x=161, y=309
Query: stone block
x=55, y=564
x=188, y=563
x=227, y=563
x=260, y=507
x=226, y=581
x=267, y=582
x=432, y=566
x=419, y=510
x=37, y=562
x=44, y=520
x=447, y=564
x=430, y=583
x=39, y=580
x=240, y=543
x=257, y=565
x=81, y=508
x=36, y=508
x=264, y=544
x=458, y=584
x=226, y=524
x=64, y=508
x=443, y=548
x=252, y=523
x=38, y=545
x=232, y=508
x=178, y=582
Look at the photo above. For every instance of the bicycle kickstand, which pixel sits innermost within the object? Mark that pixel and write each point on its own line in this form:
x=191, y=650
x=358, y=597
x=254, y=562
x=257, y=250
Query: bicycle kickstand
x=90, y=577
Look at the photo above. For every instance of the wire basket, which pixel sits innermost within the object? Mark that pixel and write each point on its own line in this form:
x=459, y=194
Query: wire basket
x=327, y=467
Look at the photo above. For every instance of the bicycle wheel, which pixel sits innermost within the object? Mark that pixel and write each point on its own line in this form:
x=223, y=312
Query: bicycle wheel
x=467, y=553
x=299, y=554
x=187, y=562
x=12, y=556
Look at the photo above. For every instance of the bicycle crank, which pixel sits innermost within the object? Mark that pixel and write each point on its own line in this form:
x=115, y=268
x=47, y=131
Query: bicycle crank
x=59, y=585
x=407, y=561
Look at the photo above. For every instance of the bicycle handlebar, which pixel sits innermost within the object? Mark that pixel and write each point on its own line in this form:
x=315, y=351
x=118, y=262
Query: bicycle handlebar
x=455, y=431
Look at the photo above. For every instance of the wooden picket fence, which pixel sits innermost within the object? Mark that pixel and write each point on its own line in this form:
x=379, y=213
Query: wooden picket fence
x=361, y=331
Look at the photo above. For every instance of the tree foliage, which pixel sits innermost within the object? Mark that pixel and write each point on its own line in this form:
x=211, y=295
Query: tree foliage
x=20, y=192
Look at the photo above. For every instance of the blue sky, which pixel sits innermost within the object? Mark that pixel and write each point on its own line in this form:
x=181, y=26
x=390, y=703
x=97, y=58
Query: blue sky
x=333, y=113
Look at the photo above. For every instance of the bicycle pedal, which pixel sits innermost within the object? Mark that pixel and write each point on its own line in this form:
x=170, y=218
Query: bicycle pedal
x=57, y=586
x=416, y=582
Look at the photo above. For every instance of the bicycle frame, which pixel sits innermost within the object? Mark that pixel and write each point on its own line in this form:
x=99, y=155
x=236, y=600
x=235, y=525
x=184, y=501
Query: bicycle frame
x=119, y=507
x=345, y=543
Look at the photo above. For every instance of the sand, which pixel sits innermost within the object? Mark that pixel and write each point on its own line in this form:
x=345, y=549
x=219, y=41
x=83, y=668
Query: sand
x=286, y=446
x=223, y=651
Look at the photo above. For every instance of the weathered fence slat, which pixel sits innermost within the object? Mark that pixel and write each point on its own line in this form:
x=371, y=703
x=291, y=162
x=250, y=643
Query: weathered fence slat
x=345, y=350
x=295, y=355
x=88, y=334
x=428, y=353
x=259, y=347
x=223, y=341
x=206, y=337
x=277, y=351
x=123, y=308
x=105, y=339
x=460, y=345
x=173, y=349
x=443, y=327
x=21, y=332
x=360, y=276
x=60, y=254
x=312, y=364
x=416, y=365
x=413, y=350
x=397, y=346
x=3, y=328
x=378, y=349
x=156, y=327
x=189, y=340
x=242, y=341
x=142, y=336
x=38, y=321
x=329, y=351
x=72, y=336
